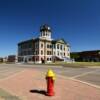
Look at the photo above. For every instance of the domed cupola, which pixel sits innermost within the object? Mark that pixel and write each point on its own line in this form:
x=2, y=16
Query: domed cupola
x=45, y=31
x=45, y=27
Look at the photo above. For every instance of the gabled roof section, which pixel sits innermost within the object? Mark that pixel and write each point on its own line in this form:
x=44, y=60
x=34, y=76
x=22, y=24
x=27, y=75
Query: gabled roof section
x=61, y=41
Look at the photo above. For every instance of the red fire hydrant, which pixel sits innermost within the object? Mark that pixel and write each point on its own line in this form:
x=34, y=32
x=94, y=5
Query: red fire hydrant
x=50, y=78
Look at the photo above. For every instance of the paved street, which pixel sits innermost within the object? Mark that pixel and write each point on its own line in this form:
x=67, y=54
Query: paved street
x=88, y=75
x=8, y=70
x=17, y=80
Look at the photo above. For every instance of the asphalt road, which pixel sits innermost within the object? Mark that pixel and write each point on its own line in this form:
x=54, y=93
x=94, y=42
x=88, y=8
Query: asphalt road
x=86, y=75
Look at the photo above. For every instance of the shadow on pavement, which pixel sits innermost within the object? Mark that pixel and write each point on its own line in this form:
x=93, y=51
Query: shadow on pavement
x=43, y=92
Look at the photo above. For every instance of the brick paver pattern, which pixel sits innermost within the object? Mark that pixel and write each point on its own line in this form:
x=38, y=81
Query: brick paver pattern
x=65, y=89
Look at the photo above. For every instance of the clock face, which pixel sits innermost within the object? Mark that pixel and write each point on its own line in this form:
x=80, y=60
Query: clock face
x=48, y=28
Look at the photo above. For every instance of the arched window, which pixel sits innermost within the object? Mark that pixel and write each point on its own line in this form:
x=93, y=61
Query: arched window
x=57, y=46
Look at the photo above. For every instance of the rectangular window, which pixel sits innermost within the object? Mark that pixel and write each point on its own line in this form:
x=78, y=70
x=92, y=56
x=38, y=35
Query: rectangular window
x=54, y=46
x=24, y=52
x=27, y=52
x=36, y=52
x=50, y=52
x=68, y=49
x=36, y=45
x=48, y=46
x=29, y=45
x=47, y=52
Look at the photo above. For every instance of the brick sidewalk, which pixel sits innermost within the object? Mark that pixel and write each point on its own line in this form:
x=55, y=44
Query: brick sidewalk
x=32, y=80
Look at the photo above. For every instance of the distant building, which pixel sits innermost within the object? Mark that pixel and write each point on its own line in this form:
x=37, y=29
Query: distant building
x=43, y=49
x=1, y=59
x=5, y=59
x=87, y=56
x=11, y=58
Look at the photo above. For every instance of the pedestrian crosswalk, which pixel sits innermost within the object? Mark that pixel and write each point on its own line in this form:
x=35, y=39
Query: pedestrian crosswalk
x=6, y=71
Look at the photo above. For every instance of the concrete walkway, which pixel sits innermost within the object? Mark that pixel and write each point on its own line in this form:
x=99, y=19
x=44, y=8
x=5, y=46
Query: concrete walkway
x=31, y=85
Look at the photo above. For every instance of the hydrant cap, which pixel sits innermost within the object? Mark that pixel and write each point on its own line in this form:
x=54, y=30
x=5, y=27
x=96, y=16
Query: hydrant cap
x=50, y=73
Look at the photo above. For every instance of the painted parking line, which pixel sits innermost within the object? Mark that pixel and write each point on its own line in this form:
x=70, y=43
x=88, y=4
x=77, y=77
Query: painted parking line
x=83, y=74
x=7, y=74
x=90, y=84
x=8, y=70
x=70, y=78
x=11, y=76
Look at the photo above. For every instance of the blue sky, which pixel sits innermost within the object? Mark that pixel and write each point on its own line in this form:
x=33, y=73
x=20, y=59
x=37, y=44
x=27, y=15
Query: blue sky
x=77, y=21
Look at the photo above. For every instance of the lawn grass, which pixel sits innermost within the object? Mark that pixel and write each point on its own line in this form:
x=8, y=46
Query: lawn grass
x=68, y=64
x=7, y=96
x=76, y=64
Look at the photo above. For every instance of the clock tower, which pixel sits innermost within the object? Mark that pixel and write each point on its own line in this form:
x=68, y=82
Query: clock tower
x=45, y=32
